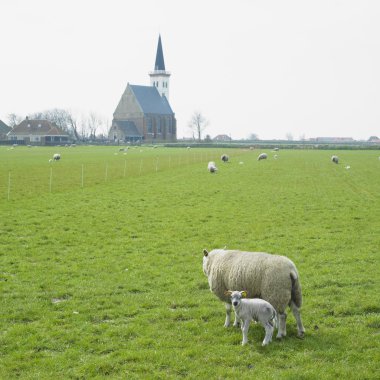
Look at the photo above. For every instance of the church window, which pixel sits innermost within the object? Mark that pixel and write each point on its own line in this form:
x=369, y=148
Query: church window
x=149, y=128
x=158, y=125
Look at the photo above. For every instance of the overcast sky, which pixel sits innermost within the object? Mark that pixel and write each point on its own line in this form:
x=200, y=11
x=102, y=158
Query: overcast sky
x=299, y=67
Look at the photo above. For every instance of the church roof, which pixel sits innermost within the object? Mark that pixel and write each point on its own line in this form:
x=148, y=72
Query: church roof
x=151, y=102
x=128, y=127
x=160, y=64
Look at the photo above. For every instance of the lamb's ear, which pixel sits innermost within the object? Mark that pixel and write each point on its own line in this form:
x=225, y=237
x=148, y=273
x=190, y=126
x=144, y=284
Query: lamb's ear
x=244, y=294
x=227, y=293
x=205, y=253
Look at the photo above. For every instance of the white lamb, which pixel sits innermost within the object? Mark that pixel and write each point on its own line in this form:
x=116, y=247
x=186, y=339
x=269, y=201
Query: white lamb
x=335, y=159
x=56, y=157
x=212, y=167
x=273, y=278
x=254, y=309
x=262, y=156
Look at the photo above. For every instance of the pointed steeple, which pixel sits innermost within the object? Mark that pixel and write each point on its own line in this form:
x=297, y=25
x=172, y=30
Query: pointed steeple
x=159, y=77
x=160, y=64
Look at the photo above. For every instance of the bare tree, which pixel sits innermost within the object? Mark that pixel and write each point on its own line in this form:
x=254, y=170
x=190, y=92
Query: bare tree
x=253, y=136
x=289, y=136
x=14, y=119
x=94, y=121
x=198, y=124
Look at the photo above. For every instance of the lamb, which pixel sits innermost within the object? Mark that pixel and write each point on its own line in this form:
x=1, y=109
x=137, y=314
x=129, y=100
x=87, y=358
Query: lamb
x=273, y=278
x=335, y=159
x=224, y=158
x=212, y=167
x=255, y=309
x=262, y=156
x=56, y=157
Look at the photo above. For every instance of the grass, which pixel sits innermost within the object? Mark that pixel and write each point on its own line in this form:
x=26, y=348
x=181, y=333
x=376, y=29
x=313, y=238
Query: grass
x=104, y=280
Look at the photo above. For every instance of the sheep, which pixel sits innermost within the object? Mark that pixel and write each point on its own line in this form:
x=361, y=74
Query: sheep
x=273, y=278
x=262, y=156
x=224, y=158
x=335, y=159
x=255, y=309
x=56, y=157
x=212, y=167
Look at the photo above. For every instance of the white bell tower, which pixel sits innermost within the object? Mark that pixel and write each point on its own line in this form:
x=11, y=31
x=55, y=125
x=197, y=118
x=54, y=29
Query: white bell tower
x=159, y=78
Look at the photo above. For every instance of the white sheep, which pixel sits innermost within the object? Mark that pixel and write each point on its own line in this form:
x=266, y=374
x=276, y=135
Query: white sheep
x=212, y=167
x=273, y=278
x=255, y=309
x=262, y=156
x=335, y=159
x=224, y=158
x=56, y=157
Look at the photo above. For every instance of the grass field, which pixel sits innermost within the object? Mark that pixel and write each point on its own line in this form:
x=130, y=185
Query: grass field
x=101, y=262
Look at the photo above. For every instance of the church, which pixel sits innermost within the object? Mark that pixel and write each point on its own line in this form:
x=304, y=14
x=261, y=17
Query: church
x=144, y=113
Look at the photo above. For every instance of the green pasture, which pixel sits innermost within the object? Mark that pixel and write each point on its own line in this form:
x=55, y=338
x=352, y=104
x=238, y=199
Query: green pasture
x=101, y=262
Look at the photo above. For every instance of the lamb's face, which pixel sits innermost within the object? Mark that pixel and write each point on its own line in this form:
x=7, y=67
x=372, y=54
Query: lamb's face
x=236, y=298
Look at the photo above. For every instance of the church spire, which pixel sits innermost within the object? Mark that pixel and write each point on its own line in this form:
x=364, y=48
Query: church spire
x=160, y=64
x=159, y=77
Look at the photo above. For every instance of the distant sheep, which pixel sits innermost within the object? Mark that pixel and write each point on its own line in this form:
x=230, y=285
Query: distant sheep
x=254, y=309
x=56, y=157
x=224, y=158
x=273, y=278
x=212, y=167
x=335, y=159
x=262, y=156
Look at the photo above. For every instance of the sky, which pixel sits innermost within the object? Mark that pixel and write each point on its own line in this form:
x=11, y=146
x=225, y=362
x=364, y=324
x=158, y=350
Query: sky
x=273, y=68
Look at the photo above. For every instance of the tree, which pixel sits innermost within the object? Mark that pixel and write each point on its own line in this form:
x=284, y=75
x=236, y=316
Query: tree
x=253, y=136
x=14, y=119
x=198, y=124
x=289, y=136
x=94, y=121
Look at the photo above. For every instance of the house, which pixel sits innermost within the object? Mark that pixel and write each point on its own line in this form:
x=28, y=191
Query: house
x=4, y=129
x=222, y=138
x=39, y=132
x=144, y=112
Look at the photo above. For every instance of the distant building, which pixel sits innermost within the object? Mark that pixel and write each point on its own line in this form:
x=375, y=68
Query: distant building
x=374, y=139
x=332, y=139
x=222, y=138
x=41, y=132
x=4, y=129
x=144, y=112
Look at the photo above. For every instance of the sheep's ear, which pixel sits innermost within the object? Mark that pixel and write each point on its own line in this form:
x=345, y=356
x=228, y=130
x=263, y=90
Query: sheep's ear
x=205, y=253
x=227, y=293
x=244, y=294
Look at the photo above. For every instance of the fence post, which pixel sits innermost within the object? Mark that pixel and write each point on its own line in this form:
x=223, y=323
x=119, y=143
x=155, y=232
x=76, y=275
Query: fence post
x=9, y=186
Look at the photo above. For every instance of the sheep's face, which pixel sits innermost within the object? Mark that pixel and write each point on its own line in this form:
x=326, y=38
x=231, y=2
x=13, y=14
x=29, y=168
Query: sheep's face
x=205, y=262
x=236, y=296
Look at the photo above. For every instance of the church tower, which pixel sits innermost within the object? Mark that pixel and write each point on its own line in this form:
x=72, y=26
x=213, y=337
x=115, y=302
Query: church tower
x=159, y=78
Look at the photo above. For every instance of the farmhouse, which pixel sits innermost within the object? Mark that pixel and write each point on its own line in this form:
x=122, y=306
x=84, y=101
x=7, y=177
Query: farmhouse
x=4, y=129
x=144, y=112
x=41, y=132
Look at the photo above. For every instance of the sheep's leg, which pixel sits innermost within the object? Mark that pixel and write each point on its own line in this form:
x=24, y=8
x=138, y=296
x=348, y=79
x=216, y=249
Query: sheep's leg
x=297, y=315
x=228, y=315
x=281, y=325
x=236, y=322
x=244, y=329
x=268, y=333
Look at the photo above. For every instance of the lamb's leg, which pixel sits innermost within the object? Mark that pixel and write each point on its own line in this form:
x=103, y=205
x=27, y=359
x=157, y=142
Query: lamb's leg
x=244, y=329
x=236, y=322
x=281, y=325
x=228, y=314
x=297, y=315
x=268, y=333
